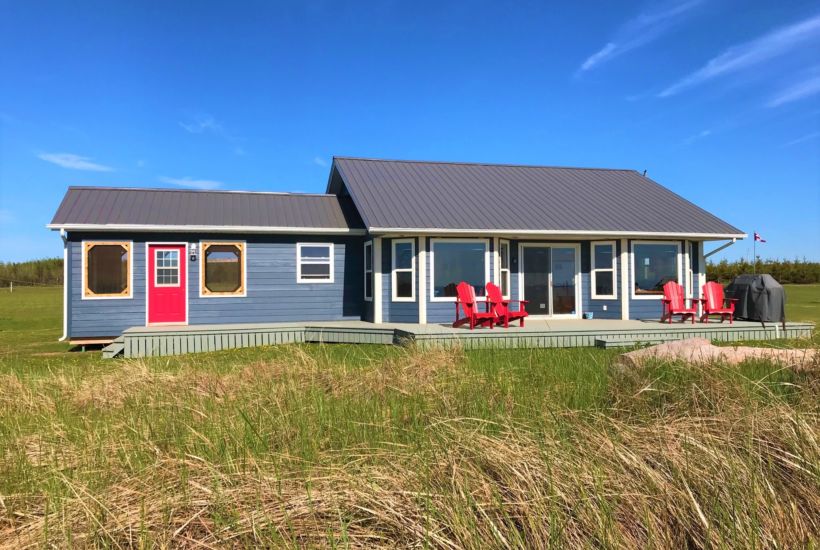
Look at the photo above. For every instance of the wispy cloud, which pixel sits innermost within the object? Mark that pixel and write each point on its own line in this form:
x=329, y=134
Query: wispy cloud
x=646, y=27
x=201, y=124
x=74, y=162
x=807, y=137
x=750, y=54
x=319, y=161
x=806, y=88
x=700, y=135
x=192, y=183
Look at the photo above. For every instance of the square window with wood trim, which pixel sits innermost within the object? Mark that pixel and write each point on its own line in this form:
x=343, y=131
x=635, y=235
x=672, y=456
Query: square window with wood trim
x=106, y=269
x=222, y=269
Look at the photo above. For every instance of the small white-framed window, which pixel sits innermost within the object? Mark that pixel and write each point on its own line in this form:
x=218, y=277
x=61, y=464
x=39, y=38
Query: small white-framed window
x=403, y=274
x=654, y=263
x=166, y=267
x=314, y=262
x=504, y=267
x=455, y=260
x=368, y=271
x=603, y=269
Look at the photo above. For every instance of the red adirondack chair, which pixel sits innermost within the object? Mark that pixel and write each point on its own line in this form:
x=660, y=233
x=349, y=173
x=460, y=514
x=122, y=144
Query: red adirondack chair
x=501, y=307
x=714, y=303
x=467, y=300
x=675, y=304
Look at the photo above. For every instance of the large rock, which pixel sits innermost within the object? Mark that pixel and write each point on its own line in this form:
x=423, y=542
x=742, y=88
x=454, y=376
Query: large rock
x=701, y=350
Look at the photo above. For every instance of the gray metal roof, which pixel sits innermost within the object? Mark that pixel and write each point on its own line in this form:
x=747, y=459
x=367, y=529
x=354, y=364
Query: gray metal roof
x=395, y=195
x=132, y=207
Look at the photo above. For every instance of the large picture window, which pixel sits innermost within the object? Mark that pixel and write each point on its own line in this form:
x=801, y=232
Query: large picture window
x=314, y=262
x=603, y=270
x=404, y=270
x=106, y=270
x=653, y=265
x=504, y=270
x=222, y=271
x=456, y=260
x=368, y=271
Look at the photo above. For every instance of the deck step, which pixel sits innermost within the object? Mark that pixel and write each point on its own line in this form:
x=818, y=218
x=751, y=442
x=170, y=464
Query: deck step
x=114, y=349
x=608, y=342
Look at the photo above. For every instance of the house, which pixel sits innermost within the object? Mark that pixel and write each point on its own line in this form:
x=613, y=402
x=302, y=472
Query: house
x=387, y=242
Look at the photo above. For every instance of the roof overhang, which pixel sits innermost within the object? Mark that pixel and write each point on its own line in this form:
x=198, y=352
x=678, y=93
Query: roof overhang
x=207, y=229
x=569, y=234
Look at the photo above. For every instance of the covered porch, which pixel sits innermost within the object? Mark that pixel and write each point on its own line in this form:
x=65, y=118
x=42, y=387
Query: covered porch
x=542, y=333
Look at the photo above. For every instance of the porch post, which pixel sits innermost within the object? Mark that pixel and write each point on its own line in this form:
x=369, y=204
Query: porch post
x=496, y=263
x=377, y=280
x=422, y=277
x=625, y=276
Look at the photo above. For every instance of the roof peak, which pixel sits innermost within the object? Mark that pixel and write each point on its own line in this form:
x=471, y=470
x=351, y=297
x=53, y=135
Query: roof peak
x=501, y=164
x=172, y=190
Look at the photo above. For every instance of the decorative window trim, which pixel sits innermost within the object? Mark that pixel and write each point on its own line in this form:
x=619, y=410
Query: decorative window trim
x=433, y=241
x=394, y=270
x=594, y=270
x=501, y=269
x=368, y=252
x=632, y=264
x=330, y=262
x=88, y=294
x=242, y=291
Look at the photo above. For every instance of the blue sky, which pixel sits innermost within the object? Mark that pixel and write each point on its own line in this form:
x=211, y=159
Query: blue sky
x=718, y=100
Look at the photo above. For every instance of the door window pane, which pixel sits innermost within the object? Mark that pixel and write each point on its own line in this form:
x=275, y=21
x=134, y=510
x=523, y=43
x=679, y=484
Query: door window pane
x=563, y=281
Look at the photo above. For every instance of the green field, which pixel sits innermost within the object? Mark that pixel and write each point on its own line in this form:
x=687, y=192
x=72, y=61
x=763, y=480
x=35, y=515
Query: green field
x=377, y=446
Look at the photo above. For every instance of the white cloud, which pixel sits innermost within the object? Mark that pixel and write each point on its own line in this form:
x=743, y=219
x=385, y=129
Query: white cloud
x=74, y=162
x=801, y=90
x=750, y=54
x=700, y=135
x=319, y=161
x=192, y=183
x=201, y=124
x=646, y=27
x=807, y=137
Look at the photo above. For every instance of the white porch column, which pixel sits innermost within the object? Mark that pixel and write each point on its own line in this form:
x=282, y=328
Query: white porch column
x=422, y=268
x=496, y=263
x=625, y=277
x=377, y=280
x=689, y=286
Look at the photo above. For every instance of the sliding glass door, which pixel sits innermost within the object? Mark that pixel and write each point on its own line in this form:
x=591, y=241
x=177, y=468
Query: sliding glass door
x=550, y=275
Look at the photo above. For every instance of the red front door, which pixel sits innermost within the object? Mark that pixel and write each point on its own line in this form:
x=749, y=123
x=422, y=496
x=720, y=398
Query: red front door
x=166, y=284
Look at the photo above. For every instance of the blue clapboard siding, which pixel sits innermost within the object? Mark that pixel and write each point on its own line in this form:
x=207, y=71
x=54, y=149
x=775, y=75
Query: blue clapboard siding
x=273, y=295
x=397, y=312
x=596, y=306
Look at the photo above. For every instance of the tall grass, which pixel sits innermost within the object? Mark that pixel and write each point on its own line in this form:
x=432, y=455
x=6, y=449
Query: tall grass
x=358, y=446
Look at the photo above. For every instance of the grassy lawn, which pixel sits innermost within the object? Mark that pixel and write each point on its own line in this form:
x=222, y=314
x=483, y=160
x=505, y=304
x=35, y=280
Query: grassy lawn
x=375, y=446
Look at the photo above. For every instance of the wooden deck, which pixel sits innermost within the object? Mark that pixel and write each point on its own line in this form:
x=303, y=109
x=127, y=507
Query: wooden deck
x=177, y=340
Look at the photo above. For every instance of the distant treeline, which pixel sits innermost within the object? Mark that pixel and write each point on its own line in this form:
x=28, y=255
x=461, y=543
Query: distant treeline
x=785, y=271
x=34, y=272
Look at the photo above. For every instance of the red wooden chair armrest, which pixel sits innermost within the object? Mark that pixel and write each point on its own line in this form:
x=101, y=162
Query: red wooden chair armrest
x=525, y=302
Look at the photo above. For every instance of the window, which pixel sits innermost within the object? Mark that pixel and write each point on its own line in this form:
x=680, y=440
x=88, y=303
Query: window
x=404, y=270
x=456, y=260
x=504, y=271
x=654, y=264
x=222, y=271
x=166, y=267
x=368, y=271
x=603, y=270
x=106, y=270
x=314, y=262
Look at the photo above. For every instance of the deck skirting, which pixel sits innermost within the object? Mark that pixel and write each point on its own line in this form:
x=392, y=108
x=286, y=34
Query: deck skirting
x=163, y=341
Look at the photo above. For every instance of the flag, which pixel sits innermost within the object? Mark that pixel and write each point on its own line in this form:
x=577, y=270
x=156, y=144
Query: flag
x=758, y=238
